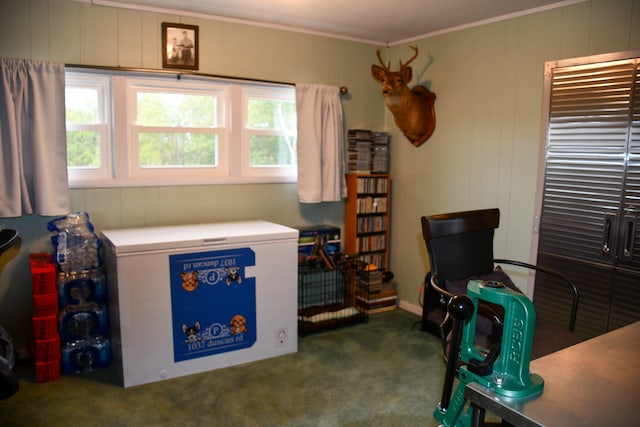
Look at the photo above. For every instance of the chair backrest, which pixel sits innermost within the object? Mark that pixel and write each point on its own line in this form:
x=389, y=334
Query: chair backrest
x=460, y=244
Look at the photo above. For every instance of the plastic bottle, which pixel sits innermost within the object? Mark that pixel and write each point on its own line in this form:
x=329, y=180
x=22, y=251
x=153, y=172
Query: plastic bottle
x=76, y=246
x=84, y=355
x=83, y=320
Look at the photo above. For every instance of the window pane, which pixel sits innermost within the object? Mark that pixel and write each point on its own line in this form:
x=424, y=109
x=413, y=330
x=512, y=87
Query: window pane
x=81, y=105
x=176, y=109
x=272, y=150
x=83, y=149
x=177, y=149
x=271, y=114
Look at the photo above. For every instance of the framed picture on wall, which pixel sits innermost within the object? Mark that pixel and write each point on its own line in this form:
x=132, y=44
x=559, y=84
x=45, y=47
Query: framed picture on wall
x=179, y=46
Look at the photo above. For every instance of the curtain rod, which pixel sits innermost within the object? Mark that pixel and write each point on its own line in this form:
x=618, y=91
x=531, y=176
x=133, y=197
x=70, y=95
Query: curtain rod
x=343, y=89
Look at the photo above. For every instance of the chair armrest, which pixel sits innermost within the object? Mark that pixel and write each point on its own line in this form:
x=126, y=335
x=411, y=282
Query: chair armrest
x=484, y=309
x=487, y=310
x=557, y=274
x=433, y=281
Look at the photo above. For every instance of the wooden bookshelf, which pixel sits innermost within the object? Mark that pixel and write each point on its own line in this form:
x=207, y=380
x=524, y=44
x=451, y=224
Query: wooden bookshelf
x=367, y=218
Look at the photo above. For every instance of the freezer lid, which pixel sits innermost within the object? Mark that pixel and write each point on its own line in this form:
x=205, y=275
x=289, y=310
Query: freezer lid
x=195, y=235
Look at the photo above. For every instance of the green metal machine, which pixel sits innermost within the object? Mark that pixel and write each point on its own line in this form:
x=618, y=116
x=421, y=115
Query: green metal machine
x=504, y=368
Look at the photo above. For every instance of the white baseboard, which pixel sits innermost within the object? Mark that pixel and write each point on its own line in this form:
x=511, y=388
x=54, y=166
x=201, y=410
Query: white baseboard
x=415, y=309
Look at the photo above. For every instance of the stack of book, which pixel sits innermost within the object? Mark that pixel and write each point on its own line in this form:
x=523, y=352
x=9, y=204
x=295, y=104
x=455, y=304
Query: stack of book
x=374, y=294
x=380, y=153
x=359, y=143
x=367, y=151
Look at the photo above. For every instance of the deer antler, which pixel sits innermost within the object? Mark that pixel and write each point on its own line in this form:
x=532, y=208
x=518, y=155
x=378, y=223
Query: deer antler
x=386, y=67
x=415, y=49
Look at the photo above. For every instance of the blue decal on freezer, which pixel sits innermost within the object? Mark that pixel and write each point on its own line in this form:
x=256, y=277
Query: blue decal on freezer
x=213, y=302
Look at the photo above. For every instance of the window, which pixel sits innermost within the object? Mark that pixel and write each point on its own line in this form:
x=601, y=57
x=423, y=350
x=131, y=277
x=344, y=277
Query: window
x=177, y=131
x=88, y=127
x=270, y=128
x=168, y=131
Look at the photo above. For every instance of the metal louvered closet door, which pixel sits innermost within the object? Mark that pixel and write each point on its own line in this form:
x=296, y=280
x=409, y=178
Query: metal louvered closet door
x=591, y=197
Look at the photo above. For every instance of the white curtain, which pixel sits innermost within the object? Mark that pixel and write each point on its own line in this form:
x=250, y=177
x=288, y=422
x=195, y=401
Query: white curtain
x=320, y=144
x=33, y=160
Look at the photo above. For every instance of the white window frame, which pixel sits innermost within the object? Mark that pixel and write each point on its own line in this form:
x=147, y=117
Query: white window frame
x=268, y=93
x=187, y=174
x=103, y=173
x=119, y=152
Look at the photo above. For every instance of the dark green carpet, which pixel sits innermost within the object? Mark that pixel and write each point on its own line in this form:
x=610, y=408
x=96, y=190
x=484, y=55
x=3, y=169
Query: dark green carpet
x=381, y=373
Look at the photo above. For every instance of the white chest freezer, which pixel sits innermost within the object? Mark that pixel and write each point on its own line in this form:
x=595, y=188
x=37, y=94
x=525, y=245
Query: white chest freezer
x=193, y=298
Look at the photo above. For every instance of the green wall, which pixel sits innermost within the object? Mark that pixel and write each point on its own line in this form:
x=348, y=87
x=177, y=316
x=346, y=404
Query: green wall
x=484, y=152
x=80, y=33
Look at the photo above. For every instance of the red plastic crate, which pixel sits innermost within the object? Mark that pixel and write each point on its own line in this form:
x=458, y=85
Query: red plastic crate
x=46, y=350
x=45, y=327
x=43, y=273
x=45, y=305
x=47, y=371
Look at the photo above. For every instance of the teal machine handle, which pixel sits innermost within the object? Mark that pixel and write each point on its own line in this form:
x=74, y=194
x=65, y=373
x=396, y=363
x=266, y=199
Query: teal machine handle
x=503, y=368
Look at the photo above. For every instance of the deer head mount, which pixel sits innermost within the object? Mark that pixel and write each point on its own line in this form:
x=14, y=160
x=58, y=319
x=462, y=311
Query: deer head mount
x=412, y=109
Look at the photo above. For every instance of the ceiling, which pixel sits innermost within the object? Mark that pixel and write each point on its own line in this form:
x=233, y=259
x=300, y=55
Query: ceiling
x=379, y=22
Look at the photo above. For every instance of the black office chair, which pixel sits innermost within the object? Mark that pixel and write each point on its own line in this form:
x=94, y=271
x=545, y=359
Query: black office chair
x=8, y=381
x=460, y=248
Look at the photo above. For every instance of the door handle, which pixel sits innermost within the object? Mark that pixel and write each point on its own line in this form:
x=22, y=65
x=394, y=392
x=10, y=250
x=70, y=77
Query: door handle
x=609, y=220
x=628, y=239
